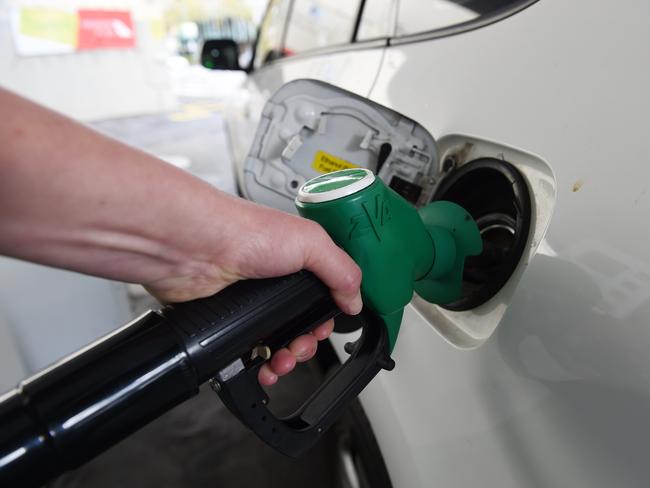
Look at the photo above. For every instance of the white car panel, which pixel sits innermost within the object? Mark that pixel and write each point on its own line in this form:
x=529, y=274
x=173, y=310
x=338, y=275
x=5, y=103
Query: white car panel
x=558, y=395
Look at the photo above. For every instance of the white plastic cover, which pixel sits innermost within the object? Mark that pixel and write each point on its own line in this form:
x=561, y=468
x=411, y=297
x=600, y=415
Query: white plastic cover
x=310, y=128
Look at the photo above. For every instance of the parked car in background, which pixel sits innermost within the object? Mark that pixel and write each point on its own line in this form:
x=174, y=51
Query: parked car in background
x=538, y=375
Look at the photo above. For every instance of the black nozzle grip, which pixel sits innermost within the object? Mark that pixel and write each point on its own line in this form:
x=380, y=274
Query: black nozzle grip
x=295, y=434
x=220, y=332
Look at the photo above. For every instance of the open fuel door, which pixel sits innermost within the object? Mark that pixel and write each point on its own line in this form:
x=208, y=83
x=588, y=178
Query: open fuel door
x=309, y=127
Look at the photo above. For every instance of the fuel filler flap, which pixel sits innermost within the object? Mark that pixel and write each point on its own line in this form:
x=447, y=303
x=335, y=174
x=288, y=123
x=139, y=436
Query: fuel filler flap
x=309, y=127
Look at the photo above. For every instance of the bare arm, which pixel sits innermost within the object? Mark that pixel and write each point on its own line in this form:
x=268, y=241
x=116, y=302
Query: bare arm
x=72, y=198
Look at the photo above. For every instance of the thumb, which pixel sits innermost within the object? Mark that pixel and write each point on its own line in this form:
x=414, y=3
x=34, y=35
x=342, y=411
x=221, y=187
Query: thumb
x=335, y=268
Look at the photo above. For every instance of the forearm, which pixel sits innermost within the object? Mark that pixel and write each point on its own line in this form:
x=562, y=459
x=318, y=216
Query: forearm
x=72, y=198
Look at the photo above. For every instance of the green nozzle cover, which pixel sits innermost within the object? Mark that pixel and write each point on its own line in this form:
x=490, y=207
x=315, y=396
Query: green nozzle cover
x=398, y=249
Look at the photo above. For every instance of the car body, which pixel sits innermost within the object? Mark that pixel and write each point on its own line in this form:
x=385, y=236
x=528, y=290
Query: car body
x=547, y=383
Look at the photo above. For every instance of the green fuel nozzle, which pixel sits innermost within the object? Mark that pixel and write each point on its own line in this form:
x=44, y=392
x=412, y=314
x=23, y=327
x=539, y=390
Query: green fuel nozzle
x=399, y=249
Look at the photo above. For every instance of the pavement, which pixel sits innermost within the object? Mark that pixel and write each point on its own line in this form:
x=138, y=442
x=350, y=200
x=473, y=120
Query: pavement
x=199, y=443
x=193, y=138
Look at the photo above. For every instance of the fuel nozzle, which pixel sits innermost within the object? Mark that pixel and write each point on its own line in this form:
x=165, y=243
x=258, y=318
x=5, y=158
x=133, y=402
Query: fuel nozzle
x=399, y=249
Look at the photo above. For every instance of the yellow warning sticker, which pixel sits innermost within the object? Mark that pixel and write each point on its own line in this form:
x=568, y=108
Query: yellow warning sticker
x=326, y=163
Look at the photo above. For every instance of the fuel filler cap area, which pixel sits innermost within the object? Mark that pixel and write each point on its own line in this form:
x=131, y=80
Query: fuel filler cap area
x=309, y=128
x=333, y=186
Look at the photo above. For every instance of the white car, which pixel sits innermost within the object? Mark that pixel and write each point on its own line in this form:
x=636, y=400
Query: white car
x=534, y=116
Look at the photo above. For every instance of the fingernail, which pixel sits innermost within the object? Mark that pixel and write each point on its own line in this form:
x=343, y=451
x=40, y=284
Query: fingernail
x=272, y=379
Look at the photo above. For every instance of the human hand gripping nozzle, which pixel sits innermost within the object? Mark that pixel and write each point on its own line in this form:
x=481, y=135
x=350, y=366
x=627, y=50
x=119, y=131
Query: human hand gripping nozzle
x=65, y=415
x=399, y=249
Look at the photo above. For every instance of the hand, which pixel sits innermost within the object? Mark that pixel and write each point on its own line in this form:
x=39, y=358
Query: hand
x=260, y=242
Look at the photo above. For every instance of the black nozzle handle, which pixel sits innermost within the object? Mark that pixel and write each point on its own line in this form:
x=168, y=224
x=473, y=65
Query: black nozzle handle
x=270, y=313
x=70, y=412
x=296, y=433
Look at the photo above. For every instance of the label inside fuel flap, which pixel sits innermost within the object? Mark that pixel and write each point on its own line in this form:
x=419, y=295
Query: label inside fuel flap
x=326, y=163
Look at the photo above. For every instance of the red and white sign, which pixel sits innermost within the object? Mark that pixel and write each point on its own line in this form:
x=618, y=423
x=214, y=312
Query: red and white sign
x=99, y=29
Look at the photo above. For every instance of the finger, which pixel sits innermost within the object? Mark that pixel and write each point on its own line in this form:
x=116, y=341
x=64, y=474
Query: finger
x=282, y=362
x=304, y=347
x=336, y=269
x=266, y=377
x=323, y=331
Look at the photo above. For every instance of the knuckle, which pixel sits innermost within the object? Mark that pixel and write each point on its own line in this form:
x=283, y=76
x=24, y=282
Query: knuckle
x=309, y=226
x=316, y=242
x=317, y=233
x=350, y=280
x=321, y=236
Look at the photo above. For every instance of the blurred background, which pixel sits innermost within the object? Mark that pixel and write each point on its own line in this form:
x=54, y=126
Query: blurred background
x=105, y=59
